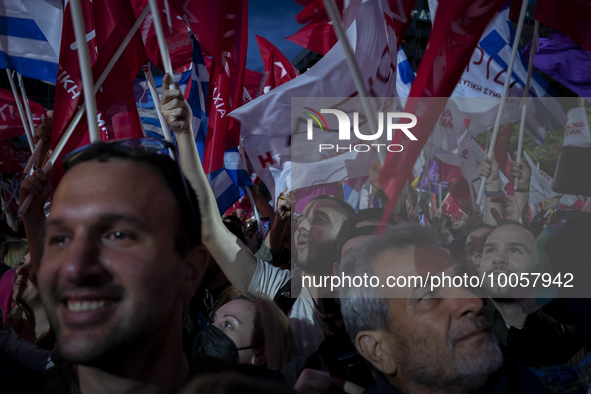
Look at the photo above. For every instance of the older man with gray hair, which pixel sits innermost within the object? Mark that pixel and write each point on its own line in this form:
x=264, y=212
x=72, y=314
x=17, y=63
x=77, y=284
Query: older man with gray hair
x=422, y=339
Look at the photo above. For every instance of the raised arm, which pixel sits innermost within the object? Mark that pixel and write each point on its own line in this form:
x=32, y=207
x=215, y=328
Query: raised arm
x=233, y=257
x=490, y=169
x=39, y=186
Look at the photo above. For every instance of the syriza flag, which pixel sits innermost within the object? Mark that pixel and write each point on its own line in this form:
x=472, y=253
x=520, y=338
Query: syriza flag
x=266, y=121
x=107, y=23
x=278, y=69
x=11, y=124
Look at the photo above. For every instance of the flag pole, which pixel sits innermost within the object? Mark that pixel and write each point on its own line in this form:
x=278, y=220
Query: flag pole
x=74, y=122
x=85, y=70
x=160, y=36
x=156, y=100
x=21, y=112
x=19, y=78
x=249, y=193
x=333, y=14
x=39, y=145
x=491, y=148
x=530, y=68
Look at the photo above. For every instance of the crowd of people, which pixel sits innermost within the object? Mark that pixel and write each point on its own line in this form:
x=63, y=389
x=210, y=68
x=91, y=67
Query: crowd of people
x=135, y=283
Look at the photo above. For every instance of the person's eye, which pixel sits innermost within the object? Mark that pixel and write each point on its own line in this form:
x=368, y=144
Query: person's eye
x=488, y=250
x=58, y=240
x=514, y=251
x=117, y=235
x=226, y=324
x=320, y=220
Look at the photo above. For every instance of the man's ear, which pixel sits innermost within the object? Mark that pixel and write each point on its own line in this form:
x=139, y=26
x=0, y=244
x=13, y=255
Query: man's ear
x=373, y=347
x=193, y=270
x=259, y=357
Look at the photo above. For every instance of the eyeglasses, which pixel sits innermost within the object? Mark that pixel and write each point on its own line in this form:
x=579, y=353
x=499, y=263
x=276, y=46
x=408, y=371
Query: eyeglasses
x=127, y=147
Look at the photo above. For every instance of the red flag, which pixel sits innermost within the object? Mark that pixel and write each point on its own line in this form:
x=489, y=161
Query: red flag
x=206, y=19
x=450, y=173
x=279, y=70
x=107, y=23
x=317, y=36
x=456, y=32
x=252, y=83
x=177, y=36
x=457, y=201
x=226, y=86
x=571, y=18
x=314, y=10
x=12, y=159
x=11, y=124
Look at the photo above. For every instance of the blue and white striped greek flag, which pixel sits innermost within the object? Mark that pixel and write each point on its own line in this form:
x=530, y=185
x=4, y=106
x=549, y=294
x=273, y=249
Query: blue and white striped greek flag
x=225, y=182
x=30, y=34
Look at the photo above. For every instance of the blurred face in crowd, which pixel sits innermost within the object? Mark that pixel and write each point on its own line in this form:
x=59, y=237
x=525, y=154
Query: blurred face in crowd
x=315, y=235
x=236, y=320
x=474, y=245
x=111, y=278
x=436, y=339
x=508, y=249
x=25, y=292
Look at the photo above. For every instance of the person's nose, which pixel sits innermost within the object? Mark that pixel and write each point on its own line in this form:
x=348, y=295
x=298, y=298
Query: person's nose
x=466, y=304
x=82, y=263
x=304, y=225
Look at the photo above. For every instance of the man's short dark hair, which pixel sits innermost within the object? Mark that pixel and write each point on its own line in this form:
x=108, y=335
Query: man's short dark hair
x=171, y=175
x=480, y=226
x=349, y=230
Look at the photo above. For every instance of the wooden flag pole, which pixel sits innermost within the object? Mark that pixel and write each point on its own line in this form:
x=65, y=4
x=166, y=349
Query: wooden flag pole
x=21, y=112
x=39, y=145
x=156, y=100
x=491, y=148
x=333, y=14
x=530, y=68
x=249, y=193
x=85, y=70
x=160, y=36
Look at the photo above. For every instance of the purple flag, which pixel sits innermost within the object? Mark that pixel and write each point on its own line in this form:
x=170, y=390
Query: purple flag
x=435, y=179
x=563, y=60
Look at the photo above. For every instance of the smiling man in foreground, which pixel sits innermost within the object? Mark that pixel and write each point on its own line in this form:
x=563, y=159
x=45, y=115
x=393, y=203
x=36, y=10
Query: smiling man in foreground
x=122, y=254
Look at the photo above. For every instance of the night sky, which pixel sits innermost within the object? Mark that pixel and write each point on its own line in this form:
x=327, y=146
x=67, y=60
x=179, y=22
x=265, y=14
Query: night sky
x=274, y=20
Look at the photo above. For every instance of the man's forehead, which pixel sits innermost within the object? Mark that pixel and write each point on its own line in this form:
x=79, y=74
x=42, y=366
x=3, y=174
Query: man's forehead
x=513, y=233
x=478, y=234
x=113, y=181
x=322, y=205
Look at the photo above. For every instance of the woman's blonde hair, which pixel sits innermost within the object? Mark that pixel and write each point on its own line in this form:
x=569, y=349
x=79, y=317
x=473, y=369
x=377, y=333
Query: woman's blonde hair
x=13, y=251
x=271, y=326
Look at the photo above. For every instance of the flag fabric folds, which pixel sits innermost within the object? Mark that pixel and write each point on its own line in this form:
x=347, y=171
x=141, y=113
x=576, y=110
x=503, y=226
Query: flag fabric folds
x=448, y=52
x=11, y=124
x=108, y=22
x=571, y=18
x=266, y=121
x=145, y=103
x=29, y=38
x=278, y=69
x=562, y=59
